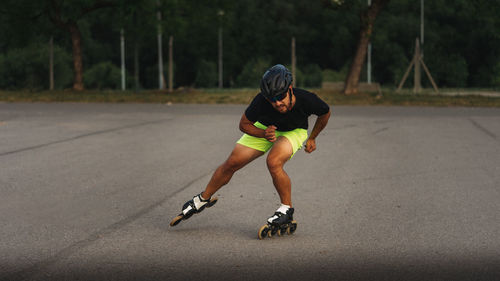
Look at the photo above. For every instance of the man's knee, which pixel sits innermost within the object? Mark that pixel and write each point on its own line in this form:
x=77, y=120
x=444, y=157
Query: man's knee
x=274, y=164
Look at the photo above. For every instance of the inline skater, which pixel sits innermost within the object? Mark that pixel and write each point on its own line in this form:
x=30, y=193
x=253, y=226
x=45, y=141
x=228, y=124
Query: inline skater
x=276, y=121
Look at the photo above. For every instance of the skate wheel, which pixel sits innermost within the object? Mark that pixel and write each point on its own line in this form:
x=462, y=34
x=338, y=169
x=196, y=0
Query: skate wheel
x=291, y=229
x=176, y=220
x=274, y=231
x=264, y=231
x=283, y=230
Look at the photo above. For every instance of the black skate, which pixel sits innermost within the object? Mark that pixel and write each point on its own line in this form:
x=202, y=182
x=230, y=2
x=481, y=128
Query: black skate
x=193, y=206
x=279, y=224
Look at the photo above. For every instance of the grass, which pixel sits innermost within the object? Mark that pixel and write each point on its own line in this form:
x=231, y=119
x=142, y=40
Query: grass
x=244, y=96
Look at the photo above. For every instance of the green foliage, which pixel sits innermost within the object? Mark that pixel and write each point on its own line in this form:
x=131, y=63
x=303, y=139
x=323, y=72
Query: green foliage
x=450, y=72
x=252, y=73
x=330, y=75
x=151, y=75
x=311, y=76
x=28, y=68
x=462, y=42
x=206, y=75
x=390, y=62
x=495, y=75
x=299, y=77
x=104, y=75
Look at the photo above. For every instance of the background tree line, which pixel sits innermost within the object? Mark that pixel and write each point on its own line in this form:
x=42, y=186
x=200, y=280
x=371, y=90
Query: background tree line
x=461, y=48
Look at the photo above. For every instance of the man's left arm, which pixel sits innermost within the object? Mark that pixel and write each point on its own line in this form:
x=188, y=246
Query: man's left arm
x=320, y=124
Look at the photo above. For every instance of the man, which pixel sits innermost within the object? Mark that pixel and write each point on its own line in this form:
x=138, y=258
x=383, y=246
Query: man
x=275, y=121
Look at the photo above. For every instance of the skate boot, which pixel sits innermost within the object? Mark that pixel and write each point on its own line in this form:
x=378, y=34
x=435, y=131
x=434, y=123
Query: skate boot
x=280, y=223
x=193, y=206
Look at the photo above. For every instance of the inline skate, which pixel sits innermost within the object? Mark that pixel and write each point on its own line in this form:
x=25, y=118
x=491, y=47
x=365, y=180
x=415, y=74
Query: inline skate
x=193, y=206
x=280, y=223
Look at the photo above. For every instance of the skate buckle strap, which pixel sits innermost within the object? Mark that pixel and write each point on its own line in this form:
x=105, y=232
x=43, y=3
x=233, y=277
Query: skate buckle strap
x=276, y=216
x=187, y=210
x=199, y=202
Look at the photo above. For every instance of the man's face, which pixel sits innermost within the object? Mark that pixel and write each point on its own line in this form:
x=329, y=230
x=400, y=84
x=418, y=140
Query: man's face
x=282, y=103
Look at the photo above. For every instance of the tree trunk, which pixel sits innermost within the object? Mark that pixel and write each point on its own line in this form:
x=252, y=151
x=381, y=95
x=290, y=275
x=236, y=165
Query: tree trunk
x=367, y=21
x=351, y=83
x=76, y=41
x=54, y=13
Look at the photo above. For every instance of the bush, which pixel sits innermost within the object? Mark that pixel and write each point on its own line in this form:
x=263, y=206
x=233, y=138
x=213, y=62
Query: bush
x=299, y=77
x=104, y=75
x=206, y=74
x=311, y=76
x=149, y=78
x=495, y=75
x=28, y=68
x=450, y=71
x=389, y=63
x=252, y=73
x=330, y=75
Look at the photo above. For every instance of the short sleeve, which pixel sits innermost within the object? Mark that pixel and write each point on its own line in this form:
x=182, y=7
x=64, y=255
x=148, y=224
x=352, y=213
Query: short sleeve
x=253, y=110
x=316, y=106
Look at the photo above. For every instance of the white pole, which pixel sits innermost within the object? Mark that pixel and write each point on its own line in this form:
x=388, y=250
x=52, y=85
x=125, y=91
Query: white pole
x=171, y=63
x=220, y=58
x=369, y=58
x=221, y=42
x=51, y=63
x=369, y=64
x=122, y=50
x=422, y=22
x=160, y=53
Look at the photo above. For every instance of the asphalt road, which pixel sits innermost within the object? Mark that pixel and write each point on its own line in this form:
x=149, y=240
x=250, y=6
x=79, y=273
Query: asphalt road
x=393, y=193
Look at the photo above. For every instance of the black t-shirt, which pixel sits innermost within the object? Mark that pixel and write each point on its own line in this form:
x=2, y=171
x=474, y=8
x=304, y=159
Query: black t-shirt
x=306, y=104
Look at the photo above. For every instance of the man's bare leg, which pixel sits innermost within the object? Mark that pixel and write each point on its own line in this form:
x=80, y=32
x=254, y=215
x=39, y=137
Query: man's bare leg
x=280, y=153
x=240, y=156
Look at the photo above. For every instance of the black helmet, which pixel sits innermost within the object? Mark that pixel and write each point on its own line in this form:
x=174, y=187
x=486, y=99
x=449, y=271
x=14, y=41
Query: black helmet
x=275, y=81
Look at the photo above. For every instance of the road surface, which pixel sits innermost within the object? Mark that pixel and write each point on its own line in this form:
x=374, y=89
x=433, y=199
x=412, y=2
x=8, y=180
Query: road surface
x=392, y=193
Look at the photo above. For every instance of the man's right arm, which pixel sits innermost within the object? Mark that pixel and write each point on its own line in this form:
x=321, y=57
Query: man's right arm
x=247, y=127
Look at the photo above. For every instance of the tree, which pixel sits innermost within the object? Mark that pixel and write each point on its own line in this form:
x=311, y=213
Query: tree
x=327, y=34
x=65, y=16
x=367, y=18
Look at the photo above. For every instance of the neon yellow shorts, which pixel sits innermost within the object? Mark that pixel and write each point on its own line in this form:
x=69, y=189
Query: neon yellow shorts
x=296, y=137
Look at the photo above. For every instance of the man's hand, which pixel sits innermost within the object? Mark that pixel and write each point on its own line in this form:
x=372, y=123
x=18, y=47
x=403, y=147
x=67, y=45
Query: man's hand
x=310, y=145
x=269, y=133
x=320, y=124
